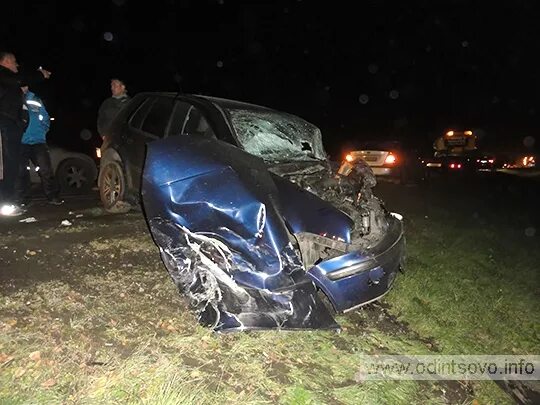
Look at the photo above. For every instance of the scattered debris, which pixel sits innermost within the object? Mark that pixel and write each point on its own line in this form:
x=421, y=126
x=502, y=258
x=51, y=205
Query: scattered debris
x=51, y=382
x=28, y=220
x=36, y=356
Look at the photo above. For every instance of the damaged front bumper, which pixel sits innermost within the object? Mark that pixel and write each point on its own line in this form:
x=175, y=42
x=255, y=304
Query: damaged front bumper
x=360, y=277
x=229, y=234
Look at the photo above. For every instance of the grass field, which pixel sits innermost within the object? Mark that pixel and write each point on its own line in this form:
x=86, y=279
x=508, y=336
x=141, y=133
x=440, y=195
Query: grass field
x=92, y=318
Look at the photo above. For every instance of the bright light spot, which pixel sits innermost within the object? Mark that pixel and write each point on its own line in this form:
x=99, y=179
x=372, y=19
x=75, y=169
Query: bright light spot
x=108, y=36
x=40, y=117
x=364, y=98
x=390, y=159
x=397, y=216
x=465, y=44
x=528, y=141
x=52, y=118
x=37, y=169
x=373, y=68
x=8, y=209
x=349, y=158
x=530, y=231
x=394, y=94
x=450, y=133
x=98, y=153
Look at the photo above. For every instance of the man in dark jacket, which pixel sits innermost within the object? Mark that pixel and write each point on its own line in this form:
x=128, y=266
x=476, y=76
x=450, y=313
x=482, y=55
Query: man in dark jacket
x=13, y=122
x=110, y=107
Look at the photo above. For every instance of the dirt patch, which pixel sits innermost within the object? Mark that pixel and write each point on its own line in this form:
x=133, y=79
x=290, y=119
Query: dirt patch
x=377, y=315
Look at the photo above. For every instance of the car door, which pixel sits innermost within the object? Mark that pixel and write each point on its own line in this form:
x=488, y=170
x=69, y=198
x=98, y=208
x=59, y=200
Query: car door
x=148, y=123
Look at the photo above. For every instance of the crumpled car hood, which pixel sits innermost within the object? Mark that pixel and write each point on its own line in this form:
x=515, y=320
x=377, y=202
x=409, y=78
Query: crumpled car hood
x=226, y=224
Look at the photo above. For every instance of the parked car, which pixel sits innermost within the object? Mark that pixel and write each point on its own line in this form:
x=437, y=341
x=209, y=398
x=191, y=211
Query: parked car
x=75, y=172
x=390, y=159
x=486, y=163
x=252, y=221
x=459, y=165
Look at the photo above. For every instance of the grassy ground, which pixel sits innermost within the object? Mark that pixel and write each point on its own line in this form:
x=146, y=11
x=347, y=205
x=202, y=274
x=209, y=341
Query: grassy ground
x=94, y=319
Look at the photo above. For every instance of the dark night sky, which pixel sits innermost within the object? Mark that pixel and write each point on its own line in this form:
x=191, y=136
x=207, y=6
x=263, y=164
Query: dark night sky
x=391, y=68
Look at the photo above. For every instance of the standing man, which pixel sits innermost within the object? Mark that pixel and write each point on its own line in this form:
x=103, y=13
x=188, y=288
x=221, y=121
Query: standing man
x=34, y=148
x=13, y=122
x=110, y=107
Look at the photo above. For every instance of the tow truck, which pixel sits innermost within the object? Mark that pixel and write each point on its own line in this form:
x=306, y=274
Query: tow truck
x=456, y=152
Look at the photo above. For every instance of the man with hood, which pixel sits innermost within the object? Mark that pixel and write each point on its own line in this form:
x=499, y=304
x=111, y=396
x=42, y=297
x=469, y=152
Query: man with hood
x=34, y=148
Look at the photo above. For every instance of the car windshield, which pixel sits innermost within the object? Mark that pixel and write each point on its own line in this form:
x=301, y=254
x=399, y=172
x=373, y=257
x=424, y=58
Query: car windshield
x=276, y=136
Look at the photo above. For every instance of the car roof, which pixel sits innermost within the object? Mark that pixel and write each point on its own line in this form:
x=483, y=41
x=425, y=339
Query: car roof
x=222, y=102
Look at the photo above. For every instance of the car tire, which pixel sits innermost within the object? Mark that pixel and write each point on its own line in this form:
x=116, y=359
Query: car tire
x=326, y=302
x=75, y=175
x=112, y=187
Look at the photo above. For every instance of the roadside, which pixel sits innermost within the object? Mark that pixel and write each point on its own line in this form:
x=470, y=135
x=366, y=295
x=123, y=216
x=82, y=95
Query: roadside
x=89, y=315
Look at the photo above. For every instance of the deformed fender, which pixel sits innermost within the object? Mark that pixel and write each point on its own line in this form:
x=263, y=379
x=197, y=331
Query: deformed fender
x=203, y=268
x=214, y=212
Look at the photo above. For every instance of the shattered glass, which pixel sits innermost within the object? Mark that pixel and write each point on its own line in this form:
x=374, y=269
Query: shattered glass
x=277, y=137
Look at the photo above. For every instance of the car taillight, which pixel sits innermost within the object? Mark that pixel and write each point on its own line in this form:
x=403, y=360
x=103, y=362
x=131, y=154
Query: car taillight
x=455, y=165
x=390, y=159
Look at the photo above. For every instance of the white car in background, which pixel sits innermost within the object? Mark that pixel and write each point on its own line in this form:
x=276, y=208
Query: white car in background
x=75, y=172
x=387, y=158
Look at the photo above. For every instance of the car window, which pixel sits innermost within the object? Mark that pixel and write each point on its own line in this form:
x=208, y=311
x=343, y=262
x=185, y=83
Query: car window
x=197, y=124
x=140, y=113
x=157, y=119
x=178, y=118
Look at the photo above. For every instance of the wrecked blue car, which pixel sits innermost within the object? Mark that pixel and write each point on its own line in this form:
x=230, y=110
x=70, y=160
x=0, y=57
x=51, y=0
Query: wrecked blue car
x=253, y=223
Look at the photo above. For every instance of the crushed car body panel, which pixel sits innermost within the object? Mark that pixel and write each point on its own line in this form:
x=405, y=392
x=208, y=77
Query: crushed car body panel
x=223, y=240
x=250, y=242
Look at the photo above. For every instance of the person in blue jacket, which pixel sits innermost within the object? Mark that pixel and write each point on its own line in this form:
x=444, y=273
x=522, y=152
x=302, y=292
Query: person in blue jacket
x=34, y=148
